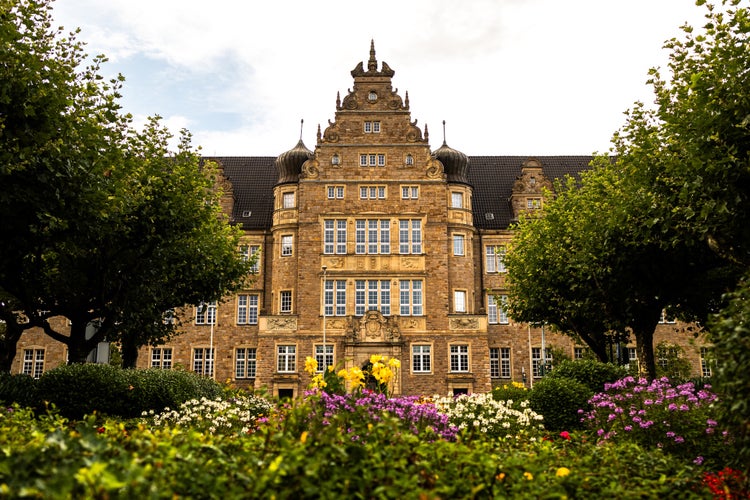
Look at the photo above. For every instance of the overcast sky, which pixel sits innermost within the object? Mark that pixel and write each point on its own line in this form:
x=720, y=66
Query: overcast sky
x=509, y=77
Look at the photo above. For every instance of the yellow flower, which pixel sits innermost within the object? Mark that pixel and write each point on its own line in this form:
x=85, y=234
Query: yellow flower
x=528, y=475
x=311, y=365
x=562, y=472
x=303, y=437
x=331, y=368
x=500, y=476
x=376, y=358
x=394, y=363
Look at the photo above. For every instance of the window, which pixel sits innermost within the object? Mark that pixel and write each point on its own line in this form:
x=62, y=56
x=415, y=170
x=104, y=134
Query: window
x=459, y=301
x=458, y=244
x=203, y=361
x=372, y=127
x=372, y=236
x=410, y=296
x=245, y=362
x=706, y=362
x=460, y=358
x=335, y=298
x=500, y=362
x=372, y=192
x=334, y=237
x=578, y=353
x=335, y=192
x=495, y=258
x=372, y=160
x=409, y=192
x=420, y=359
x=33, y=362
x=457, y=200
x=632, y=358
x=286, y=245
x=372, y=295
x=536, y=360
x=324, y=356
x=409, y=160
x=161, y=357
x=285, y=301
x=410, y=236
x=247, y=309
x=288, y=200
x=249, y=251
x=286, y=358
x=533, y=203
x=497, y=312
x=205, y=314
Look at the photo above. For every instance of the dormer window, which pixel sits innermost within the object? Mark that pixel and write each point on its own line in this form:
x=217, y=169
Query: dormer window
x=409, y=160
x=335, y=159
x=372, y=127
x=372, y=96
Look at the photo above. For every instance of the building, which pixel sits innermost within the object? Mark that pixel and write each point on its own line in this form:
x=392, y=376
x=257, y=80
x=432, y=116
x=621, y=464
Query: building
x=372, y=243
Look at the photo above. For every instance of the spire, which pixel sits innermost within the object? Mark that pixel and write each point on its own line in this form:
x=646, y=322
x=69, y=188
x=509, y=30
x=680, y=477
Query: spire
x=302, y=122
x=372, y=64
x=444, y=142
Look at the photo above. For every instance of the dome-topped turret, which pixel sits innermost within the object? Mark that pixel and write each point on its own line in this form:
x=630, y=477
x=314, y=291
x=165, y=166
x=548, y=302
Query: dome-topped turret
x=289, y=164
x=455, y=163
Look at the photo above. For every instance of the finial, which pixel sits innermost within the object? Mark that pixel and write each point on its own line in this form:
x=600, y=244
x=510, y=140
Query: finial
x=338, y=99
x=372, y=64
x=318, y=133
x=301, y=122
x=426, y=133
x=406, y=101
x=444, y=143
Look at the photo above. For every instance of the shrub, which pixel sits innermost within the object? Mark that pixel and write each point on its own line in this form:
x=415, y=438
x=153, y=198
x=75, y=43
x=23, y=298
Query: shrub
x=80, y=389
x=19, y=389
x=594, y=374
x=515, y=392
x=558, y=401
x=156, y=389
x=680, y=419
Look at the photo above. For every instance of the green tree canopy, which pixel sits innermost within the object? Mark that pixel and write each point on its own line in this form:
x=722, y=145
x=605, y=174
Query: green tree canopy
x=103, y=224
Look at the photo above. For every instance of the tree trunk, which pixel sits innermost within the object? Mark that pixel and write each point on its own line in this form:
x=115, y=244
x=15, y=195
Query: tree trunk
x=129, y=351
x=643, y=331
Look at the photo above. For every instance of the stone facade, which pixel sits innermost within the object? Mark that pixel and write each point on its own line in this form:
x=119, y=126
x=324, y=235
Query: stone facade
x=373, y=247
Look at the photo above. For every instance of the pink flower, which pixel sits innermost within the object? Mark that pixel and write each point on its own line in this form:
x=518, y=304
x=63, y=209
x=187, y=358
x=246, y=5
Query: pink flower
x=565, y=435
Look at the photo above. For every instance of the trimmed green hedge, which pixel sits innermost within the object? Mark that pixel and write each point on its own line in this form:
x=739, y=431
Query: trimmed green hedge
x=589, y=372
x=558, y=401
x=80, y=389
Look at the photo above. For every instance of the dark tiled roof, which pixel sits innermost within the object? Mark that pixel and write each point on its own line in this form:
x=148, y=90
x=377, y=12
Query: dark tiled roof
x=492, y=178
x=253, y=179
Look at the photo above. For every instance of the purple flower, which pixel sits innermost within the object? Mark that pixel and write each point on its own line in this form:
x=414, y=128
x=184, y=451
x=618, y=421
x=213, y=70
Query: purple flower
x=672, y=407
x=679, y=439
x=698, y=460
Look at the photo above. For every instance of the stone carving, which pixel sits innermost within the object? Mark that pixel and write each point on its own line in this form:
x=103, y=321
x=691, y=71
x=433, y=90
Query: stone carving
x=373, y=327
x=282, y=323
x=434, y=169
x=310, y=169
x=464, y=323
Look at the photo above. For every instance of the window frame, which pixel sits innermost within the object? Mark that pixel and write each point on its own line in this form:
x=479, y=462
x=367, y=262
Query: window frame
x=31, y=364
x=424, y=354
x=289, y=357
x=285, y=302
x=459, y=245
x=288, y=200
x=411, y=297
x=457, y=199
x=207, y=361
x=459, y=361
x=324, y=359
x=161, y=357
x=494, y=258
x=459, y=301
x=287, y=245
x=364, y=292
x=248, y=362
x=249, y=308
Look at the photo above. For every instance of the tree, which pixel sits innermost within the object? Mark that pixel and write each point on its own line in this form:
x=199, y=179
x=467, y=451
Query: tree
x=648, y=231
x=105, y=227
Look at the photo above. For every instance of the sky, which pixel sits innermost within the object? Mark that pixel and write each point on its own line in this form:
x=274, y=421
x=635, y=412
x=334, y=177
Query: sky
x=509, y=77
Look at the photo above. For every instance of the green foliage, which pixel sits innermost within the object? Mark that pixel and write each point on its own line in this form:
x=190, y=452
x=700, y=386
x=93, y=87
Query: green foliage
x=730, y=332
x=19, y=389
x=593, y=374
x=515, y=392
x=677, y=418
x=558, y=400
x=52, y=458
x=672, y=362
x=81, y=389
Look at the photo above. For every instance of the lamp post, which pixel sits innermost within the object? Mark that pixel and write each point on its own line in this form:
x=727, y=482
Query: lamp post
x=324, y=317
